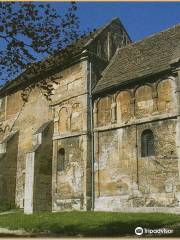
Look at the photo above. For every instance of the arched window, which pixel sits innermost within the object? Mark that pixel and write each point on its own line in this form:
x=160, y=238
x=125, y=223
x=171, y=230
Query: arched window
x=63, y=120
x=123, y=101
x=147, y=143
x=144, y=101
x=166, y=97
x=61, y=160
x=76, y=118
x=104, y=111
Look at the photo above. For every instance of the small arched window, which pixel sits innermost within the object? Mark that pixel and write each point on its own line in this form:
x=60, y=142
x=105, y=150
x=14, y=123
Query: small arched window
x=147, y=143
x=61, y=160
x=76, y=117
x=104, y=111
x=63, y=120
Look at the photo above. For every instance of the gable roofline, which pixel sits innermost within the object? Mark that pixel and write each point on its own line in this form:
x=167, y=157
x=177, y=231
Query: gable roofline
x=153, y=35
x=114, y=20
x=134, y=44
x=69, y=61
x=118, y=75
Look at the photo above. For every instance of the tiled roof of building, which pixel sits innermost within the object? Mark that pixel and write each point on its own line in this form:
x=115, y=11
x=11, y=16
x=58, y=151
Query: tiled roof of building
x=149, y=56
x=53, y=61
x=60, y=58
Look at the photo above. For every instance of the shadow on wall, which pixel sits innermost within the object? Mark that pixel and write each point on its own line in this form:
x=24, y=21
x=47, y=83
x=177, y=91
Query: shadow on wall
x=8, y=168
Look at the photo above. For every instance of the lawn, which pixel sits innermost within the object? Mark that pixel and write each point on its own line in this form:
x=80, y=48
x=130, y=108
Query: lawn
x=90, y=223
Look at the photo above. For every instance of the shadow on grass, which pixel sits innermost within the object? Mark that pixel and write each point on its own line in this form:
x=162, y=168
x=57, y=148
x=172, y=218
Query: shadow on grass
x=114, y=229
x=176, y=231
x=90, y=224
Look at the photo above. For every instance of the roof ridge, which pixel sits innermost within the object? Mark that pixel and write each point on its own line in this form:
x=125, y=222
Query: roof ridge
x=102, y=28
x=146, y=57
x=150, y=36
x=78, y=46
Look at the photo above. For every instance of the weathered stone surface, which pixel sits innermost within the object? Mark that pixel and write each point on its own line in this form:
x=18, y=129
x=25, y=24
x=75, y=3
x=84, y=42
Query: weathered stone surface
x=123, y=101
x=120, y=170
x=71, y=115
x=8, y=166
x=116, y=151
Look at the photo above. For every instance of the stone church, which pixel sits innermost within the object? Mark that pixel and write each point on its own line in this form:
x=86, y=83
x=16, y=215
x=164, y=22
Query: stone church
x=109, y=138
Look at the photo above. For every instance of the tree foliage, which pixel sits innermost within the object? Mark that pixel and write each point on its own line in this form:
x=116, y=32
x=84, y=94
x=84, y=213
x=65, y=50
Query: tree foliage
x=30, y=31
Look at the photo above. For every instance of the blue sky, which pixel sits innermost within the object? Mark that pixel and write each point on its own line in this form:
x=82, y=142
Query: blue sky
x=140, y=19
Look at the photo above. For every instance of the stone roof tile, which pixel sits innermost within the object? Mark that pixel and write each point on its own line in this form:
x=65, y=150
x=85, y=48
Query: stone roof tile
x=149, y=56
x=58, y=59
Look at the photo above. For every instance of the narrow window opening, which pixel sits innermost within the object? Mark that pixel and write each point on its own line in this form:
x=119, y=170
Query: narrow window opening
x=61, y=160
x=147, y=143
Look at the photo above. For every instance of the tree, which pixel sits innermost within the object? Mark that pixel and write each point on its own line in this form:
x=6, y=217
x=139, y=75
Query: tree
x=30, y=31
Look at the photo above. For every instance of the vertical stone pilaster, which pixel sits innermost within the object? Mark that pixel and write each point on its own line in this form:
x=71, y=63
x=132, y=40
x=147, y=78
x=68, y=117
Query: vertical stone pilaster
x=155, y=109
x=56, y=123
x=155, y=97
x=113, y=112
x=54, y=173
x=96, y=165
x=178, y=142
x=87, y=176
x=29, y=183
x=95, y=111
x=177, y=194
x=178, y=118
x=175, y=64
x=178, y=90
x=69, y=123
x=132, y=107
x=56, y=130
x=84, y=187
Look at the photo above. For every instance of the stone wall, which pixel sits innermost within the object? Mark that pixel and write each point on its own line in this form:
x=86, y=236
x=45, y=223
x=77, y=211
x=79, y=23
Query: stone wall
x=42, y=192
x=51, y=167
x=69, y=180
x=28, y=120
x=72, y=144
x=124, y=178
x=158, y=175
x=32, y=115
x=136, y=102
x=70, y=110
x=72, y=140
x=8, y=167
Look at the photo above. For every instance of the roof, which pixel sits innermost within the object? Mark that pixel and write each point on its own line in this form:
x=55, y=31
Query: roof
x=54, y=61
x=51, y=61
x=149, y=56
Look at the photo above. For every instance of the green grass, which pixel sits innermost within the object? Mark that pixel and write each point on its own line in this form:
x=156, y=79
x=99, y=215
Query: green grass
x=90, y=223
